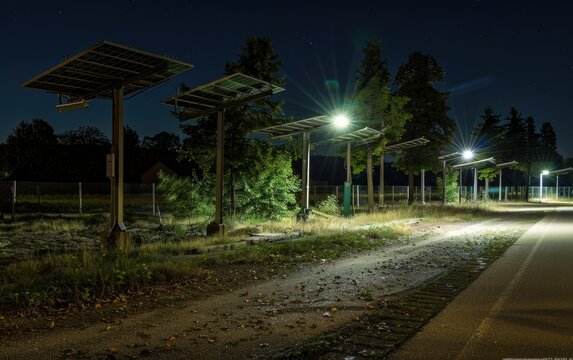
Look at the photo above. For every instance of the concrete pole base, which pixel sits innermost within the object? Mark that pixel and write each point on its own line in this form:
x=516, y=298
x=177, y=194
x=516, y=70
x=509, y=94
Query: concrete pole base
x=117, y=240
x=216, y=229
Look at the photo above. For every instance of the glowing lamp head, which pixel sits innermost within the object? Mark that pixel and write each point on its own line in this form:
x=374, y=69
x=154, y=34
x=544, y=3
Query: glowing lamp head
x=545, y=172
x=468, y=154
x=341, y=121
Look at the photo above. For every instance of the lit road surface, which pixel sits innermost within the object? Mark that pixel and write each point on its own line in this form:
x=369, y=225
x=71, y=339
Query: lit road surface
x=520, y=307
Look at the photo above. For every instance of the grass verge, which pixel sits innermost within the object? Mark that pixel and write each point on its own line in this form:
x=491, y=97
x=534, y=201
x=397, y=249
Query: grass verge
x=177, y=254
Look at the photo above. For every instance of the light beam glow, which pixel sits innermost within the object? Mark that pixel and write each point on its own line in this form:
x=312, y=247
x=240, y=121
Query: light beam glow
x=341, y=121
x=468, y=154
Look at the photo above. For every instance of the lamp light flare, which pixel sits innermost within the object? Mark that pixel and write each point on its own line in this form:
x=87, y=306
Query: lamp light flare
x=468, y=154
x=545, y=172
x=341, y=121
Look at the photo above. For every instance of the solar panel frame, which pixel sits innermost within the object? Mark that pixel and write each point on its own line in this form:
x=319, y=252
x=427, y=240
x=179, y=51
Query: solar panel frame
x=474, y=164
x=312, y=124
x=363, y=136
x=507, y=164
x=228, y=91
x=407, y=145
x=561, y=171
x=94, y=72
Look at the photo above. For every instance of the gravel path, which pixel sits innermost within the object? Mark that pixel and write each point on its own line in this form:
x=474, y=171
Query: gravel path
x=263, y=319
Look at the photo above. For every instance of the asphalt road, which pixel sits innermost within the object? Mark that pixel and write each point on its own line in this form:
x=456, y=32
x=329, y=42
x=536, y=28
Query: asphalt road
x=520, y=307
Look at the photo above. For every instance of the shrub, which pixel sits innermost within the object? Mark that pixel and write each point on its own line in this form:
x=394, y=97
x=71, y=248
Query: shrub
x=329, y=206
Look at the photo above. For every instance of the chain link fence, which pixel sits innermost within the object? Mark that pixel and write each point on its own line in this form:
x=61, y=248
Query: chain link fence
x=21, y=197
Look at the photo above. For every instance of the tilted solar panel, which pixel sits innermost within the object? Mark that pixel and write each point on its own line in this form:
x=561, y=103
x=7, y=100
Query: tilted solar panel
x=228, y=91
x=93, y=73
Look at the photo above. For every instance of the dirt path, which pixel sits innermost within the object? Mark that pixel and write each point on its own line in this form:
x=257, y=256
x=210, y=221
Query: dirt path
x=262, y=319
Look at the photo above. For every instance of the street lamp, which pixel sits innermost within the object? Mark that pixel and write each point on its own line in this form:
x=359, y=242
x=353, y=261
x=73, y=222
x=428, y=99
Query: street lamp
x=544, y=172
x=467, y=154
x=341, y=121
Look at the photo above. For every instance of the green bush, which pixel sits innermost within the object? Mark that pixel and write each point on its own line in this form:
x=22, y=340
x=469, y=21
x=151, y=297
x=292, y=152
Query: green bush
x=451, y=186
x=189, y=196
x=268, y=189
x=329, y=206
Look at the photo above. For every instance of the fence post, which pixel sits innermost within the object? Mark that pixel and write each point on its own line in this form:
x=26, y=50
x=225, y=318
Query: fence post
x=38, y=198
x=357, y=195
x=430, y=193
x=392, y=194
x=336, y=193
x=14, y=200
x=80, y=197
x=315, y=199
x=153, y=197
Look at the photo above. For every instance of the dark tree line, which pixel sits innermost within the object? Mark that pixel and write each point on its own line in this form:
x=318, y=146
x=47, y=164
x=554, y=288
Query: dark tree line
x=34, y=152
x=515, y=137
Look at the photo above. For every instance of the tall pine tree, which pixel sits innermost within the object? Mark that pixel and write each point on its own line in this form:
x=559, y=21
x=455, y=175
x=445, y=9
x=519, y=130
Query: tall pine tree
x=429, y=109
x=378, y=109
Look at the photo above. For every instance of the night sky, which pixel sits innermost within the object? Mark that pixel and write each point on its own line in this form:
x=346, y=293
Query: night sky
x=511, y=54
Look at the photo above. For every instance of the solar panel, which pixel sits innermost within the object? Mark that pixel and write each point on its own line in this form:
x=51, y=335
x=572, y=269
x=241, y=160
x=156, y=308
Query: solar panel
x=94, y=72
x=362, y=136
x=474, y=164
x=407, y=145
x=561, y=171
x=507, y=164
x=296, y=127
x=228, y=91
x=450, y=156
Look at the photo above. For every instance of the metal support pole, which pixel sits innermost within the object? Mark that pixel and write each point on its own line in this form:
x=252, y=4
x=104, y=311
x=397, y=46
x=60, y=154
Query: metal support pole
x=348, y=161
x=500, y=188
x=153, y=198
x=306, y=170
x=460, y=188
x=217, y=226
x=117, y=151
x=423, y=185
x=370, y=179
x=14, y=200
x=475, y=195
x=540, y=186
x=444, y=182
x=381, y=189
x=348, y=183
x=80, y=197
x=557, y=187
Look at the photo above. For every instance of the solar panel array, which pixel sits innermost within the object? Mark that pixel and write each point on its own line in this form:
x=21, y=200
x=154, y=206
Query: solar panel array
x=228, y=91
x=94, y=72
x=362, y=136
x=407, y=145
x=475, y=164
x=296, y=127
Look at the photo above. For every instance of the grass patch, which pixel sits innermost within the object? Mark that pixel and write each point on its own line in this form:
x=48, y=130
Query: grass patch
x=168, y=251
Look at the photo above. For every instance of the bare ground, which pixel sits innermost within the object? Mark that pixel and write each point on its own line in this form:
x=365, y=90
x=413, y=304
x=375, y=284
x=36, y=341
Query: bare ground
x=253, y=312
